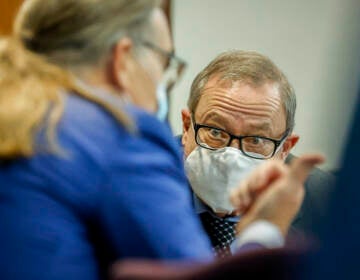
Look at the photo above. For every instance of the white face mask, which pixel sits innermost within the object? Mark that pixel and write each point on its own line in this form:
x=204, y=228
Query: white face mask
x=212, y=175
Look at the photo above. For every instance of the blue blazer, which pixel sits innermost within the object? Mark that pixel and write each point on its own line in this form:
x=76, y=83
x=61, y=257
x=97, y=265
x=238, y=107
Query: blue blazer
x=113, y=195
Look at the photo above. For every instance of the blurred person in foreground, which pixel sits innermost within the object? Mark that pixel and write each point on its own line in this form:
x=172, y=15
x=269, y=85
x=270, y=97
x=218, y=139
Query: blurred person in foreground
x=89, y=172
x=241, y=113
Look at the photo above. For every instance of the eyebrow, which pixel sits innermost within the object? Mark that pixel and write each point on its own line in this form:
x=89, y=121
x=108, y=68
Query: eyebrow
x=215, y=117
x=225, y=124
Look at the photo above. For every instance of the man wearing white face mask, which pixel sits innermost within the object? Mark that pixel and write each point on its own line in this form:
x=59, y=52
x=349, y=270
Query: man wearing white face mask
x=241, y=113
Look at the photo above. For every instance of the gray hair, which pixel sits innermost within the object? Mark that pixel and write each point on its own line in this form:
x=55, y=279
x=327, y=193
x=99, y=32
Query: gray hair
x=80, y=32
x=252, y=68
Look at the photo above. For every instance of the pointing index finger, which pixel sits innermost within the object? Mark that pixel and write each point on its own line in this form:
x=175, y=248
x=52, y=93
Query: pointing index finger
x=301, y=167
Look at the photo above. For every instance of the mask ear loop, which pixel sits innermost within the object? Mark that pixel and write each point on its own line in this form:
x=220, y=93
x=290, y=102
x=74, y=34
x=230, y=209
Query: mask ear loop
x=280, y=146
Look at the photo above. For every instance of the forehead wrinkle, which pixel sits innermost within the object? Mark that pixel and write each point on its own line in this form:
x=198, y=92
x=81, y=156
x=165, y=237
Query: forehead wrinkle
x=225, y=93
x=255, y=108
x=218, y=116
x=267, y=108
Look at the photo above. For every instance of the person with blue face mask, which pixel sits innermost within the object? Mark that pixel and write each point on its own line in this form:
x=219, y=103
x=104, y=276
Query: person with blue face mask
x=241, y=112
x=109, y=183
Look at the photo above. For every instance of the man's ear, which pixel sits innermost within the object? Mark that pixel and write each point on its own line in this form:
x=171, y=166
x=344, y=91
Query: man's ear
x=186, y=123
x=119, y=62
x=289, y=143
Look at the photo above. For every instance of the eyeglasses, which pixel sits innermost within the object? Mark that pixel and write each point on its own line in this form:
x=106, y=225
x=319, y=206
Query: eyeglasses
x=174, y=67
x=253, y=146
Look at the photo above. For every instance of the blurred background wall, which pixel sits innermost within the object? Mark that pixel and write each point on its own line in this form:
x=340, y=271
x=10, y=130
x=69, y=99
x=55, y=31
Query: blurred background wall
x=315, y=42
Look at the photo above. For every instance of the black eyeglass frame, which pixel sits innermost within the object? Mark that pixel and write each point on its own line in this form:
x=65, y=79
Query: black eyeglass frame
x=276, y=142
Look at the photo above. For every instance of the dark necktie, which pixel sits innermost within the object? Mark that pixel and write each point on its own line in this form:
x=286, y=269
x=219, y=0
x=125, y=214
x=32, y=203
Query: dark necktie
x=221, y=233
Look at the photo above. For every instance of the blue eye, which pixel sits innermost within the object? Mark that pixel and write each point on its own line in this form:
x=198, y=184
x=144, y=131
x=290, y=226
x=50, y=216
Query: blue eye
x=215, y=132
x=256, y=140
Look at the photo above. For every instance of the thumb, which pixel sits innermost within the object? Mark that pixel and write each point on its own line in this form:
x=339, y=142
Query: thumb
x=301, y=167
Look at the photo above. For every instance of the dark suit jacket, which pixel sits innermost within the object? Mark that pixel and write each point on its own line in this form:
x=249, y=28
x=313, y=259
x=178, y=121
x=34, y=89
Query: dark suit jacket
x=318, y=189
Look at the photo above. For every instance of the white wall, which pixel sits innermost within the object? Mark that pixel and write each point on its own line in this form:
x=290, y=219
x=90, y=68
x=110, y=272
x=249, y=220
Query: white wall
x=315, y=42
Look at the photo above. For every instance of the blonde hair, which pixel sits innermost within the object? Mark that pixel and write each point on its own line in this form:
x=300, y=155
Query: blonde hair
x=50, y=37
x=250, y=67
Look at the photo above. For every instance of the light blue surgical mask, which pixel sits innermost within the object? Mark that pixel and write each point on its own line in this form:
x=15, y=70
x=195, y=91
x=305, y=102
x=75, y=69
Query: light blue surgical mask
x=162, y=102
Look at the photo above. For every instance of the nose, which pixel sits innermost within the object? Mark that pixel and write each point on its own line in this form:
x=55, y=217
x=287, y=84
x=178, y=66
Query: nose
x=235, y=143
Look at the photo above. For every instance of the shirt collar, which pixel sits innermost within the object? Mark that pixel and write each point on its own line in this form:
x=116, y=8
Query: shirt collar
x=201, y=207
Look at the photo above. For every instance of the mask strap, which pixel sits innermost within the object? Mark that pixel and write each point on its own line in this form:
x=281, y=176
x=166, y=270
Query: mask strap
x=281, y=145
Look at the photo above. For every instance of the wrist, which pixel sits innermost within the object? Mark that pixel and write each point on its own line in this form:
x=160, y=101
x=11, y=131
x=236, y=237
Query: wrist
x=262, y=232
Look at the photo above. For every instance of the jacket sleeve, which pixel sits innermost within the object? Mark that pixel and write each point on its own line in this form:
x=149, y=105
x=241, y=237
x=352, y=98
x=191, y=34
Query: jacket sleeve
x=146, y=207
